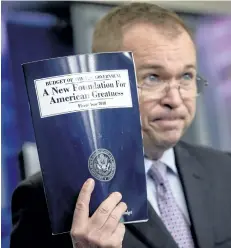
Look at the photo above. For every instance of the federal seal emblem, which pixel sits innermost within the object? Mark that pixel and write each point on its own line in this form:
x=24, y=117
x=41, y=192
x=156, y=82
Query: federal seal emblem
x=101, y=165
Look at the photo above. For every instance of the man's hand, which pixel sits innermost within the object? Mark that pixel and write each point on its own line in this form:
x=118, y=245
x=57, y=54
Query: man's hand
x=103, y=228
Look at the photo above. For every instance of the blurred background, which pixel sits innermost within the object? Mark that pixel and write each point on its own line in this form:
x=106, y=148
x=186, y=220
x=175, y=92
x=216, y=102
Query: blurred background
x=40, y=30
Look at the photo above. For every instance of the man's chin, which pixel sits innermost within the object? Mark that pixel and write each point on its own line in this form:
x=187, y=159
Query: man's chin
x=155, y=146
x=161, y=140
x=168, y=139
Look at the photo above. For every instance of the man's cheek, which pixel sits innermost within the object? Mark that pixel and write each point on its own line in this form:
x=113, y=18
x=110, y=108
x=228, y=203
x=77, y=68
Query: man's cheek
x=191, y=107
x=144, y=122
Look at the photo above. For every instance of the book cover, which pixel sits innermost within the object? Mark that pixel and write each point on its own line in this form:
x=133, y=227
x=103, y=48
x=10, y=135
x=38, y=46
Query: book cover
x=86, y=120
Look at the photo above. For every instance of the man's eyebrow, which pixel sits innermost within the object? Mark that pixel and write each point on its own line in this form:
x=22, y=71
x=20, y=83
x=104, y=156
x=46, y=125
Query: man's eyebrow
x=150, y=66
x=161, y=67
x=190, y=66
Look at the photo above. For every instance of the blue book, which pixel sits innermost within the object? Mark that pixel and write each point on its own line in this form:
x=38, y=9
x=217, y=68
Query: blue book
x=86, y=120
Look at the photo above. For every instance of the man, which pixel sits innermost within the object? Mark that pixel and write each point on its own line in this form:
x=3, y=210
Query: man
x=188, y=187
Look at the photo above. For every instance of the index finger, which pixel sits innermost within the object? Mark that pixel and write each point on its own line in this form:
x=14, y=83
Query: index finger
x=81, y=213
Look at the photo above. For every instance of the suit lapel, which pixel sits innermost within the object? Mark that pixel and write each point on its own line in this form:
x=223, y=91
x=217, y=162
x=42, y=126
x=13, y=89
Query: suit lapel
x=152, y=233
x=196, y=189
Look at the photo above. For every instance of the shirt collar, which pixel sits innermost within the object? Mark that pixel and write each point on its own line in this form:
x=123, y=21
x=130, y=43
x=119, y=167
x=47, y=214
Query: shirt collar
x=168, y=158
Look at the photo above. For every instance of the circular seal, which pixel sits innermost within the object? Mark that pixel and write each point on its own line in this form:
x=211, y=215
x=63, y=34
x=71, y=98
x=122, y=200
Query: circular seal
x=101, y=165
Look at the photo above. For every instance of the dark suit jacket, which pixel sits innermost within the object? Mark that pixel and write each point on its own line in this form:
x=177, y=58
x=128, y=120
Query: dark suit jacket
x=206, y=180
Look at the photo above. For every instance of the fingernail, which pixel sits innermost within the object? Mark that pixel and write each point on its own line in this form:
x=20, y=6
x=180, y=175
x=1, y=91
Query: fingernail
x=125, y=205
x=118, y=194
x=89, y=182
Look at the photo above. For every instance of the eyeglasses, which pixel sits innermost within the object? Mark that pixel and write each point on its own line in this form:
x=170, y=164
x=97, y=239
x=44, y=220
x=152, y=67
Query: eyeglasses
x=187, y=88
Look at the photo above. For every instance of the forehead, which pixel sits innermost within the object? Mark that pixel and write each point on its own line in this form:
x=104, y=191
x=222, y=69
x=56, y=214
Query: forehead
x=152, y=46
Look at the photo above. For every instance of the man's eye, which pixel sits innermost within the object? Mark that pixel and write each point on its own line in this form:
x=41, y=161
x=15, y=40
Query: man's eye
x=187, y=76
x=152, y=78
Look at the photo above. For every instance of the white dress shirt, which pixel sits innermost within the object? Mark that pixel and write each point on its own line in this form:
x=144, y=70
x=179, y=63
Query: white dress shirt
x=168, y=159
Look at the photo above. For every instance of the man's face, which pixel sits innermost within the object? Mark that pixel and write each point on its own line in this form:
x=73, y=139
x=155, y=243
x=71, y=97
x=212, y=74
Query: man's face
x=166, y=116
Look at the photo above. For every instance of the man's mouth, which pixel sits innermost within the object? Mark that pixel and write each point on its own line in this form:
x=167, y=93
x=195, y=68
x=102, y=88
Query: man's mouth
x=167, y=122
x=168, y=118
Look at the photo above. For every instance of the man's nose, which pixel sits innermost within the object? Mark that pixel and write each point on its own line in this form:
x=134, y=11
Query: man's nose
x=172, y=97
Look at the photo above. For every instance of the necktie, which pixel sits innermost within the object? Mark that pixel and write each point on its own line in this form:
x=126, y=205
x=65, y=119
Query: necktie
x=171, y=215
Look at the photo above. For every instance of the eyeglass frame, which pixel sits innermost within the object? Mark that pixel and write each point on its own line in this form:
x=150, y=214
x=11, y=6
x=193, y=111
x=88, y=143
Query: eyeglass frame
x=199, y=81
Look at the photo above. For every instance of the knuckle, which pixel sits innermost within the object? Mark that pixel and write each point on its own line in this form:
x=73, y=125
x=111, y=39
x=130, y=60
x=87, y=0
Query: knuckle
x=92, y=240
x=121, y=228
x=104, y=210
x=84, y=189
x=112, y=243
x=91, y=236
x=75, y=233
x=114, y=217
x=116, y=243
x=80, y=205
x=102, y=242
